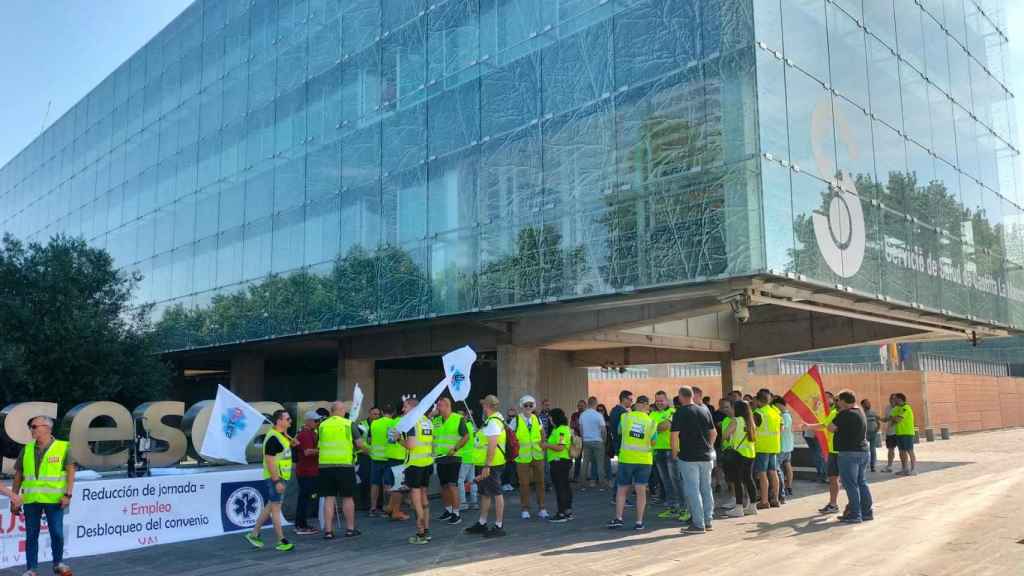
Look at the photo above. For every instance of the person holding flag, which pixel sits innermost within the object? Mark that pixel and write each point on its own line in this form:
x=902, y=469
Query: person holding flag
x=277, y=470
x=420, y=443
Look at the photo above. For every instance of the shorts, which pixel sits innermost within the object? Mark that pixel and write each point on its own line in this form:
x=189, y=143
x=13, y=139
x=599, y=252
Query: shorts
x=785, y=457
x=272, y=495
x=833, y=465
x=380, y=473
x=448, y=472
x=905, y=443
x=418, y=476
x=490, y=486
x=890, y=442
x=635, y=474
x=764, y=462
x=339, y=481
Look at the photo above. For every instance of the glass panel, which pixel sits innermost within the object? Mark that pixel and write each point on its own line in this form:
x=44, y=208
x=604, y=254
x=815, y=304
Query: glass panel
x=806, y=41
x=847, y=52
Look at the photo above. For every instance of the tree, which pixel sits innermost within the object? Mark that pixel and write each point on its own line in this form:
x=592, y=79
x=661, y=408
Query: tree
x=68, y=332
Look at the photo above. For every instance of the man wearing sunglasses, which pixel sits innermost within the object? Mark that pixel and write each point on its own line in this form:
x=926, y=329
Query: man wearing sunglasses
x=44, y=473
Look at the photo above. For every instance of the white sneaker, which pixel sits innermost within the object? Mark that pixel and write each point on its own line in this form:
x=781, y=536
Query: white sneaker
x=525, y=515
x=506, y=488
x=750, y=510
x=543, y=514
x=735, y=512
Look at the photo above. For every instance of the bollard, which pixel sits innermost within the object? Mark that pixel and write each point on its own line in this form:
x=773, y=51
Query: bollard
x=944, y=433
x=929, y=435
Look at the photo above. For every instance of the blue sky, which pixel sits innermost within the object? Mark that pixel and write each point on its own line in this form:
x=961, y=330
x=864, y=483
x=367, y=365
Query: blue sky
x=59, y=50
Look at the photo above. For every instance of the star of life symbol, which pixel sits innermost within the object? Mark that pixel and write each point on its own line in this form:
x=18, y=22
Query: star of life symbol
x=233, y=421
x=458, y=379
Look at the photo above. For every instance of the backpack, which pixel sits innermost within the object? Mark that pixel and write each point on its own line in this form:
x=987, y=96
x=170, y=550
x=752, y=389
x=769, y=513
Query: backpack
x=511, y=444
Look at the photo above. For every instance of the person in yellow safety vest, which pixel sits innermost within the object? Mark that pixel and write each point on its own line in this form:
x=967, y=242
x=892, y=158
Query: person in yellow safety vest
x=675, y=502
x=419, y=440
x=396, y=454
x=557, y=447
x=767, y=447
x=833, y=458
x=530, y=461
x=338, y=441
x=467, y=471
x=738, y=446
x=489, y=459
x=44, y=475
x=381, y=477
x=725, y=407
x=638, y=432
x=450, y=435
x=277, y=470
x=906, y=432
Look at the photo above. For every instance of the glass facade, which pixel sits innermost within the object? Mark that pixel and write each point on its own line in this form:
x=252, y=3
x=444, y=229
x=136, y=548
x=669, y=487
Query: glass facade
x=889, y=151
x=283, y=167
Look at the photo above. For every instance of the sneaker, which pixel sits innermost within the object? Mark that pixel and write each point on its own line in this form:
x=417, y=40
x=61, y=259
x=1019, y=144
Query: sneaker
x=61, y=568
x=352, y=533
x=476, y=528
x=775, y=504
x=306, y=531
x=543, y=514
x=867, y=518
x=903, y=473
x=495, y=532
x=560, y=518
x=507, y=488
x=828, y=509
x=256, y=541
x=638, y=526
x=525, y=515
x=570, y=515
x=692, y=530
x=444, y=516
x=707, y=526
x=763, y=506
x=736, y=512
x=418, y=539
x=749, y=510
x=684, y=516
x=887, y=469
x=614, y=523
x=284, y=546
x=668, y=513
x=850, y=520
x=373, y=513
x=426, y=534
x=454, y=519
x=789, y=491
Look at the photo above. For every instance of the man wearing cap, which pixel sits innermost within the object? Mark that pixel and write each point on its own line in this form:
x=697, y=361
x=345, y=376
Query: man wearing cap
x=530, y=461
x=44, y=474
x=489, y=459
x=307, y=471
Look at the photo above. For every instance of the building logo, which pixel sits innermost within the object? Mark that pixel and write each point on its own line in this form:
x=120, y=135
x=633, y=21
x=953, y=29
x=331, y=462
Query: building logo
x=233, y=421
x=241, y=506
x=840, y=232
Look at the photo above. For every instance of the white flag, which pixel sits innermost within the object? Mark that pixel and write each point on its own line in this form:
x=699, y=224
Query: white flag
x=426, y=403
x=233, y=424
x=457, y=365
x=357, y=404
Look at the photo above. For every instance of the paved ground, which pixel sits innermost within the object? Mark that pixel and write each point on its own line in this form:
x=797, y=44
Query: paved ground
x=961, y=515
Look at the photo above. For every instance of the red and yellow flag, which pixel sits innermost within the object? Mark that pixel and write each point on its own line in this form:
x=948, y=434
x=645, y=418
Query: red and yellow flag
x=807, y=398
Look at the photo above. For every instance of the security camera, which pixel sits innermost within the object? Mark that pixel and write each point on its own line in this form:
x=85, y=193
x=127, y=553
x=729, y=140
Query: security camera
x=742, y=314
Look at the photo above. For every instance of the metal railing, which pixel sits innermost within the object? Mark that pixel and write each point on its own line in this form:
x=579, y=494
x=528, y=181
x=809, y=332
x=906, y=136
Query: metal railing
x=789, y=366
x=949, y=365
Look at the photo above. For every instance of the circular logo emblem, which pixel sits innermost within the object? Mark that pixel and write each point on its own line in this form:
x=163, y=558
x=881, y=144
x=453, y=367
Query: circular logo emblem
x=243, y=506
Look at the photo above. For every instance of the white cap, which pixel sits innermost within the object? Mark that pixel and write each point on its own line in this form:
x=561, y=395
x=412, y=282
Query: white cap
x=527, y=400
x=312, y=415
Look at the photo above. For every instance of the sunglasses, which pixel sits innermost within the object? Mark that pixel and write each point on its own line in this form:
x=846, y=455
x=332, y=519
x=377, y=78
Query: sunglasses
x=34, y=426
x=528, y=405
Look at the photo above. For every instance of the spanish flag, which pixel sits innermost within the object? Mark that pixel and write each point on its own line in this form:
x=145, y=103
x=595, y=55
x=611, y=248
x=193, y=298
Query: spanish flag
x=807, y=398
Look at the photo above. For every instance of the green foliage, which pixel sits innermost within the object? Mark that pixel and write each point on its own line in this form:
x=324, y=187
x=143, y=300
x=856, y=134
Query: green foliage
x=67, y=332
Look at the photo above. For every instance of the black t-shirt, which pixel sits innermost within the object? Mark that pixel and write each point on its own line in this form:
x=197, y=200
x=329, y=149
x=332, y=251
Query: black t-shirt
x=273, y=447
x=693, y=422
x=851, y=431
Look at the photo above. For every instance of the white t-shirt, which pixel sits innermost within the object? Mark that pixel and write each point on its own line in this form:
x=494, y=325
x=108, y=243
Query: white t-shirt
x=492, y=428
x=592, y=425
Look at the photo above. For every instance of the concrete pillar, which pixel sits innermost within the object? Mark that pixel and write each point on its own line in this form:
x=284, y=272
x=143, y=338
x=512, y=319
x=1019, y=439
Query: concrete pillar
x=541, y=373
x=353, y=371
x=247, y=376
x=735, y=375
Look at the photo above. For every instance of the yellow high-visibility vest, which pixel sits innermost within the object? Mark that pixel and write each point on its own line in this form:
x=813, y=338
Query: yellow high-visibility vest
x=335, y=441
x=48, y=484
x=283, y=459
x=422, y=453
x=529, y=439
x=637, y=431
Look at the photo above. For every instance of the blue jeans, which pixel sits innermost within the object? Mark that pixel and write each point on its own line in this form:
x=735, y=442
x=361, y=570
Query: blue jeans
x=669, y=474
x=55, y=525
x=696, y=477
x=819, y=460
x=852, y=466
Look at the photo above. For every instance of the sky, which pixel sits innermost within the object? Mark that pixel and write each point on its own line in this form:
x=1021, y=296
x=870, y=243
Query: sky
x=55, y=51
